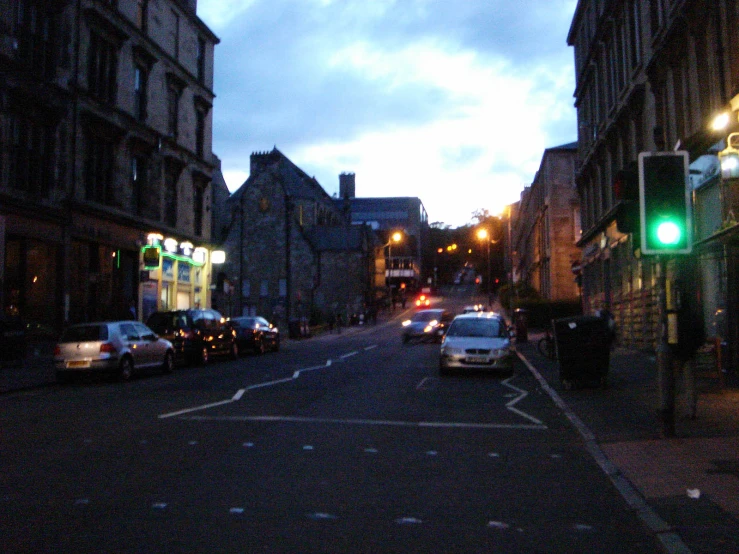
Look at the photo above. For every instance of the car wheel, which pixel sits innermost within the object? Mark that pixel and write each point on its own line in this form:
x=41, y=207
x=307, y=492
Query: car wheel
x=125, y=370
x=204, y=356
x=235, y=351
x=168, y=365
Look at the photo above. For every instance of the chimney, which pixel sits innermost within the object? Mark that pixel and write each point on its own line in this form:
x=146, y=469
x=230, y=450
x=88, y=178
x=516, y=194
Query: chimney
x=347, y=187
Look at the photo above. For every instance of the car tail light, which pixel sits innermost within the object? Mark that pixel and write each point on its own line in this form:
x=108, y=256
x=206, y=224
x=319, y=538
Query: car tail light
x=57, y=351
x=107, y=348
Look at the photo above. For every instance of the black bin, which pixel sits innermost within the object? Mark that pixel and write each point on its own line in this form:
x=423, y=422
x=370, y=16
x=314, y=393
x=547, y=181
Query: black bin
x=12, y=339
x=583, y=346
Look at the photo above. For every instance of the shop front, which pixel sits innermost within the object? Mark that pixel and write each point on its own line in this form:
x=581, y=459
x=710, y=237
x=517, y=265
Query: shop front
x=176, y=275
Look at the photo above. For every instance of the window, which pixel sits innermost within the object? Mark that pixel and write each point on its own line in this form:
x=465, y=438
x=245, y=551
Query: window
x=142, y=8
x=264, y=288
x=198, y=205
x=201, y=60
x=31, y=158
x=199, y=132
x=140, y=79
x=173, y=110
x=170, y=196
x=175, y=35
x=33, y=31
x=99, y=170
x=101, y=69
x=139, y=185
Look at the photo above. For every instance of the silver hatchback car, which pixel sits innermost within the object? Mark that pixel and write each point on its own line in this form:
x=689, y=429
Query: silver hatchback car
x=477, y=341
x=121, y=347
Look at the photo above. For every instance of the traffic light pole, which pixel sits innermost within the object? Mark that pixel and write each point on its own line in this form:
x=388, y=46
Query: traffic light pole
x=665, y=375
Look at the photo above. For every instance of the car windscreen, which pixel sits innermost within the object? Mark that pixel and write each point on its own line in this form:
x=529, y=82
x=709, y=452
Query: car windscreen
x=476, y=328
x=85, y=333
x=161, y=321
x=243, y=322
x=426, y=316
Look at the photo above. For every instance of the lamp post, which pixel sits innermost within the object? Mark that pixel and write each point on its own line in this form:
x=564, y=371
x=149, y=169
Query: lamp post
x=483, y=234
x=396, y=237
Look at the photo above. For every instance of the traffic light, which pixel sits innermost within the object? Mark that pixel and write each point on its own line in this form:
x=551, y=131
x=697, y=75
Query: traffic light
x=626, y=194
x=665, y=206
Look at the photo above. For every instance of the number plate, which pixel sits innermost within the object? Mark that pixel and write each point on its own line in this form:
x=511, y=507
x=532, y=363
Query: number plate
x=477, y=359
x=79, y=363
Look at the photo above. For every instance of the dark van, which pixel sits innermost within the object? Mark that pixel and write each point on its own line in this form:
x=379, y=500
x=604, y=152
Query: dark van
x=195, y=334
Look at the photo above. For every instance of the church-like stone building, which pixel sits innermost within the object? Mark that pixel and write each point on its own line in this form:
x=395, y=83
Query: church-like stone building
x=292, y=252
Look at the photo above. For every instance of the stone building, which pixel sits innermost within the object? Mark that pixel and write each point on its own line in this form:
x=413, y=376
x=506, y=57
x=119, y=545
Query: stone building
x=546, y=227
x=105, y=149
x=651, y=76
x=291, y=251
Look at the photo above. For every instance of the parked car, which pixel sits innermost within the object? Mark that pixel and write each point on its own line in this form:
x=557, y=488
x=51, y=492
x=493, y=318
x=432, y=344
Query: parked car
x=121, y=347
x=477, y=341
x=426, y=325
x=255, y=334
x=196, y=334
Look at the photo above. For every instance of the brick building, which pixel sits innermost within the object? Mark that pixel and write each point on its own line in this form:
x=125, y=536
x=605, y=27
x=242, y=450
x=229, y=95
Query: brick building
x=105, y=148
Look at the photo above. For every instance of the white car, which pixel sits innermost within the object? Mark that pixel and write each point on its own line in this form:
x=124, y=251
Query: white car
x=477, y=341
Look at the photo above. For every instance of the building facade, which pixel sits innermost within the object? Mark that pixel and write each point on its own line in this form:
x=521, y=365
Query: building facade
x=403, y=260
x=546, y=227
x=651, y=76
x=105, y=157
x=292, y=253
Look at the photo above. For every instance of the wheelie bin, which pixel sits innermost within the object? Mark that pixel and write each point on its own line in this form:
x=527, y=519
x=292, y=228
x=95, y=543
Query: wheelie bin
x=583, y=347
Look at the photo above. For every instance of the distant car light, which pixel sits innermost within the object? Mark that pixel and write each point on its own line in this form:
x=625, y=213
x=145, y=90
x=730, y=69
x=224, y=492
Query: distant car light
x=406, y=323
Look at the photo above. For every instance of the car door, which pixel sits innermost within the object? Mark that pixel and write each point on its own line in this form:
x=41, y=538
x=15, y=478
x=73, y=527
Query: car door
x=133, y=343
x=152, y=352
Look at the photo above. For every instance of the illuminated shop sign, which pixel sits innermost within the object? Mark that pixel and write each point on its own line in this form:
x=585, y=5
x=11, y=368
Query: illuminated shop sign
x=160, y=247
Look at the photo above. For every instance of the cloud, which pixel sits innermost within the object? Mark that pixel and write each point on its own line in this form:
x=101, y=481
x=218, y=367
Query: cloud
x=452, y=102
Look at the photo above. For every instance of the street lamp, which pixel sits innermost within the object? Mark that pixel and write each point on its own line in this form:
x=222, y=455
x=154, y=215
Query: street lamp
x=483, y=234
x=396, y=237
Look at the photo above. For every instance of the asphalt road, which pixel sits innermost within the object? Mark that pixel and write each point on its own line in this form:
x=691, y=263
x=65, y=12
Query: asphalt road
x=340, y=443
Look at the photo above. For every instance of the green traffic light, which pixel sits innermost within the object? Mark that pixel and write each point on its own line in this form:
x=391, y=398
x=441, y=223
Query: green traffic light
x=669, y=233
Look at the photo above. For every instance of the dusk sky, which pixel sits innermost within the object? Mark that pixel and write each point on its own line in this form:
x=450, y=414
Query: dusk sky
x=451, y=101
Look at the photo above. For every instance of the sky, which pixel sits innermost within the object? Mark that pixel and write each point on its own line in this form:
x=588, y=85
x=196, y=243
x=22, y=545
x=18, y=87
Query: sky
x=450, y=101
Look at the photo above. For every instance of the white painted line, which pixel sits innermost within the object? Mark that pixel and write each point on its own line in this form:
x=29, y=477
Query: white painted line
x=236, y=510
x=371, y=347
x=349, y=355
x=420, y=424
x=195, y=409
x=408, y=520
x=238, y=394
x=521, y=395
x=671, y=541
x=159, y=505
x=422, y=383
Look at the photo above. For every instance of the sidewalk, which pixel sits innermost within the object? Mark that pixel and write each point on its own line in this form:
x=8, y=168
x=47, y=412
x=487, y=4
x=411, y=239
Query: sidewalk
x=690, y=482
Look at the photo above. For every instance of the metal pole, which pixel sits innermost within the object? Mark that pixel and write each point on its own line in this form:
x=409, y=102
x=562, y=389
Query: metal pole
x=490, y=275
x=665, y=376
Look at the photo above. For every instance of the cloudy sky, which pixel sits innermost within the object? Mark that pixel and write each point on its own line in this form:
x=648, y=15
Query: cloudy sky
x=451, y=101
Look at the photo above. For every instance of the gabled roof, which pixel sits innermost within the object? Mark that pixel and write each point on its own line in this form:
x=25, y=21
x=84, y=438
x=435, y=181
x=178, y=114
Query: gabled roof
x=295, y=181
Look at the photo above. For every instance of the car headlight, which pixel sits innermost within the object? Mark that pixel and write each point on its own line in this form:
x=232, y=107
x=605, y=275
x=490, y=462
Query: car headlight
x=501, y=352
x=406, y=323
